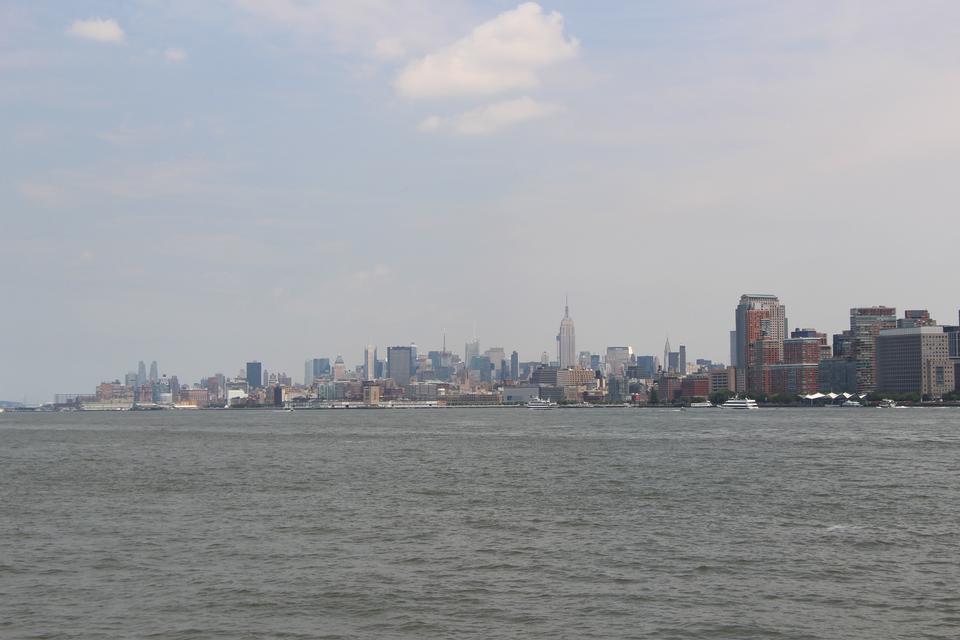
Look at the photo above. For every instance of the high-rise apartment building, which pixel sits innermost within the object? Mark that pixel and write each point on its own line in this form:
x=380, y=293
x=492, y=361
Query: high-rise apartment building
x=254, y=375
x=566, y=341
x=914, y=360
x=866, y=323
x=758, y=317
x=400, y=364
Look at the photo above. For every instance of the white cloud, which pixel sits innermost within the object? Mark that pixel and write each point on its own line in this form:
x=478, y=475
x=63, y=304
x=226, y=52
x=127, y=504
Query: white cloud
x=502, y=54
x=175, y=54
x=490, y=118
x=98, y=30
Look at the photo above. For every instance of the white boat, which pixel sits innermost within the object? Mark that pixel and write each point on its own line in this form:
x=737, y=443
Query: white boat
x=740, y=403
x=851, y=404
x=887, y=403
x=538, y=404
x=702, y=405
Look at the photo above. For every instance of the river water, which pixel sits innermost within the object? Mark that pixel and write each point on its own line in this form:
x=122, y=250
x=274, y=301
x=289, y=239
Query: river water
x=481, y=523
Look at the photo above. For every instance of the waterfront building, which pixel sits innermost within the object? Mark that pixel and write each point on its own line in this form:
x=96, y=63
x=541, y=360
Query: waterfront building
x=254, y=375
x=723, y=379
x=758, y=317
x=865, y=325
x=695, y=385
x=837, y=375
x=566, y=341
x=914, y=360
x=793, y=378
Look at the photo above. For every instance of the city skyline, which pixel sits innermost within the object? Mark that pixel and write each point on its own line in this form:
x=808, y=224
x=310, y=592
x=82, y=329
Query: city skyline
x=772, y=323
x=210, y=183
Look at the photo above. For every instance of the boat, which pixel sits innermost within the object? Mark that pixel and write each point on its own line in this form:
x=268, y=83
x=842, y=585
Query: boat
x=702, y=405
x=851, y=404
x=887, y=403
x=539, y=404
x=740, y=403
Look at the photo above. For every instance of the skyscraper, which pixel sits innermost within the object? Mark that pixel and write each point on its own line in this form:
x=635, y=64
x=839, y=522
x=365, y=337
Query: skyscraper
x=154, y=372
x=254, y=374
x=141, y=374
x=666, y=355
x=682, y=360
x=865, y=324
x=514, y=366
x=471, y=350
x=758, y=317
x=370, y=362
x=567, y=341
x=400, y=364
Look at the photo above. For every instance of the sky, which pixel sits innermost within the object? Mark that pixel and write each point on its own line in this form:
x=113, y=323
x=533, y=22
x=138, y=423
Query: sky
x=207, y=183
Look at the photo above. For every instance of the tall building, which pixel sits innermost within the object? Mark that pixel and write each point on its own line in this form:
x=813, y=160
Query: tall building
x=914, y=360
x=141, y=374
x=758, y=317
x=682, y=360
x=514, y=366
x=666, y=355
x=866, y=323
x=471, y=350
x=400, y=364
x=315, y=368
x=339, y=368
x=618, y=359
x=567, y=352
x=370, y=362
x=254, y=375
x=154, y=372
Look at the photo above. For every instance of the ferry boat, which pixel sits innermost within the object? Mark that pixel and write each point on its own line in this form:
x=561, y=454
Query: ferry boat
x=740, y=403
x=538, y=404
x=702, y=405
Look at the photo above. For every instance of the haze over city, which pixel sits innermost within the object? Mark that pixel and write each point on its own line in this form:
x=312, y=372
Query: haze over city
x=206, y=184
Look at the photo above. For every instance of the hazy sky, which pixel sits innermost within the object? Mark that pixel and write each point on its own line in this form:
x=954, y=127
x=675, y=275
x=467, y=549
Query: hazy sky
x=205, y=183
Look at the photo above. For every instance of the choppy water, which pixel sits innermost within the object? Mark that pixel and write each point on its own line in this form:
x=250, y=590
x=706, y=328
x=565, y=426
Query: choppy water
x=481, y=523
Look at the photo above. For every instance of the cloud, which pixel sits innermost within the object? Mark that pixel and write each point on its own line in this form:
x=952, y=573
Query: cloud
x=490, y=118
x=502, y=54
x=98, y=30
x=175, y=55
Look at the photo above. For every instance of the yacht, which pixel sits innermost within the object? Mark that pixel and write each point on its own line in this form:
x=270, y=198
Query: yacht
x=887, y=403
x=538, y=404
x=851, y=404
x=740, y=403
x=702, y=405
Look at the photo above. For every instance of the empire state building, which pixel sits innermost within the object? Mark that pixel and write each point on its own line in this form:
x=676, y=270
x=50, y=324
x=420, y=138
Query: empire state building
x=566, y=341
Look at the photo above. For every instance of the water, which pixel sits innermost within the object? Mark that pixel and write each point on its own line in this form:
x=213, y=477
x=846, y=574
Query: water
x=818, y=523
